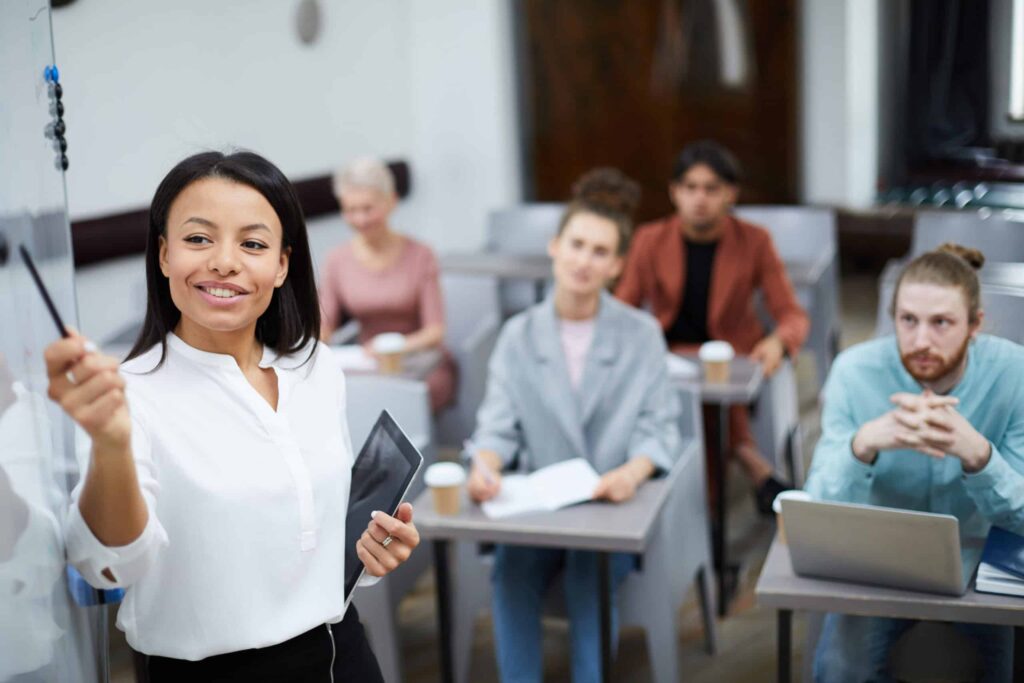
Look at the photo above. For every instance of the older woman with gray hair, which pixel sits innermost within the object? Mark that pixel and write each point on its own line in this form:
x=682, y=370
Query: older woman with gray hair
x=386, y=281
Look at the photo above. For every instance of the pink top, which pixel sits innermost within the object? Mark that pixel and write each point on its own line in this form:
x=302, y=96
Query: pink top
x=404, y=297
x=576, y=337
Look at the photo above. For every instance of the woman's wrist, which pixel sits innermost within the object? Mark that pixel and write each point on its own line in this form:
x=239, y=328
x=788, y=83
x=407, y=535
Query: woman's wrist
x=112, y=447
x=642, y=468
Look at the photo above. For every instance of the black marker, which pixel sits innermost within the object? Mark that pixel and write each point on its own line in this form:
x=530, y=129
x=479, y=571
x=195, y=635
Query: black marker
x=27, y=258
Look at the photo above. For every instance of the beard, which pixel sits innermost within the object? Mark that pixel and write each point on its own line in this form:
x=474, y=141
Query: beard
x=942, y=365
x=705, y=226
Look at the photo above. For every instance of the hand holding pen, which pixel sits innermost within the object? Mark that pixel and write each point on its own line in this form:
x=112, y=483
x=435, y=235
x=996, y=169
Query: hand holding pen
x=86, y=384
x=485, y=473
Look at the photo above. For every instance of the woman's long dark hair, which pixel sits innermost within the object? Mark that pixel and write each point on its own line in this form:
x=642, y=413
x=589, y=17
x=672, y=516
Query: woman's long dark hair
x=293, y=317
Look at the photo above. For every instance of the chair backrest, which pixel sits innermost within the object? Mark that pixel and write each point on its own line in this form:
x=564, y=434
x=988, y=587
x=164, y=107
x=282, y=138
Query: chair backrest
x=691, y=415
x=468, y=299
x=326, y=233
x=472, y=356
x=1004, y=312
x=523, y=229
x=407, y=400
x=996, y=234
x=800, y=233
x=777, y=419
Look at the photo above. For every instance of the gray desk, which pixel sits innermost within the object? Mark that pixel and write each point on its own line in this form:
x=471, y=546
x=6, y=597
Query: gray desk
x=745, y=379
x=535, y=268
x=780, y=588
x=601, y=527
x=499, y=264
x=415, y=366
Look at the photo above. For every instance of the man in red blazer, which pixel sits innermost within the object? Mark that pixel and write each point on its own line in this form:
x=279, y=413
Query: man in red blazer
x=697, y=271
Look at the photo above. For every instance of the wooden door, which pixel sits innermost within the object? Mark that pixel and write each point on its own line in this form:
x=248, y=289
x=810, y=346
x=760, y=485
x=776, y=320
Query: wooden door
x=629, y=83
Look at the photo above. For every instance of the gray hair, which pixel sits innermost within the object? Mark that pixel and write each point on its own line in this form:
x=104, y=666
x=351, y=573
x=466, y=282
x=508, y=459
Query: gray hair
x=365, y=172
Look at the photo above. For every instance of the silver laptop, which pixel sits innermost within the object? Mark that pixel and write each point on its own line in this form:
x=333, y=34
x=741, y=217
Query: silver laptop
x=881, y=546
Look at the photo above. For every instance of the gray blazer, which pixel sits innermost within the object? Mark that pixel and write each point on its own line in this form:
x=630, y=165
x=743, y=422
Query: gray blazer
x=625, y=406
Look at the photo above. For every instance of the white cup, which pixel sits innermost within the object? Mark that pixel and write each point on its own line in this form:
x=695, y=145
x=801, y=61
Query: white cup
x=794, y=494
x=716, y=357
x=445, y=480
x=389, y=346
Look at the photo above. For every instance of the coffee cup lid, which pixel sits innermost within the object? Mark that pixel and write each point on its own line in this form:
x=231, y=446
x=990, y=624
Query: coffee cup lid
x=716, y=351
x=789, y=495
x=389, y=342
x=442, y=474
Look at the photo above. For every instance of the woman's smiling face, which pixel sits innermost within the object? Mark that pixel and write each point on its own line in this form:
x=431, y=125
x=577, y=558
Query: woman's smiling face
x=222, y=253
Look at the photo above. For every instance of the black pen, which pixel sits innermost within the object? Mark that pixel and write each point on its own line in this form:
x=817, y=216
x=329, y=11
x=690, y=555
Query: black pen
x=27, y=258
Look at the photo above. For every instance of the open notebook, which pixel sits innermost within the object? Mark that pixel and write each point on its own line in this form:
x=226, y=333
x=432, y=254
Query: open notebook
x=549, y=488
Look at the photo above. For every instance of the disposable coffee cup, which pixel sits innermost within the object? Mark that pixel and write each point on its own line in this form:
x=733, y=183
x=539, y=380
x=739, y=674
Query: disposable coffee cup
x=777, y=507
x=716, y=357
x=445, y=480
x=390, y=347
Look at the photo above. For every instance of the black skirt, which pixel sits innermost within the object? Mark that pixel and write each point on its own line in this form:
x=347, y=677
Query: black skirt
x=304, y=658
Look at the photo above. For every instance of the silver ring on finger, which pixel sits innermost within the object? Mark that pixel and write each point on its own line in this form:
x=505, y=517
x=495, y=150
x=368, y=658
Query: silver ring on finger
x=387, y=541
x=70, y=376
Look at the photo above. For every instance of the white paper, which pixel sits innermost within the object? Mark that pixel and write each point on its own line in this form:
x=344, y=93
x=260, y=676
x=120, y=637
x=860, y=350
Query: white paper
x=994, y=580
x=354, y=357
x=550, y=488
x=681, y=368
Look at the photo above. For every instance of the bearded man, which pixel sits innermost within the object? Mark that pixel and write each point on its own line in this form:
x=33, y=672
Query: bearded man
x=933, y=421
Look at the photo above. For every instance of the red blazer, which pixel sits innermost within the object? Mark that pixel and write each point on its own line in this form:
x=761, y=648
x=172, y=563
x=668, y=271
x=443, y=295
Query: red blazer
x=745, y=261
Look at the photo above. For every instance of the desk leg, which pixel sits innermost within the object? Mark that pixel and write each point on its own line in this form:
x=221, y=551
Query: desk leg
x=444, y=610
x=784, y=654
x=604, y=586
x=719, y=540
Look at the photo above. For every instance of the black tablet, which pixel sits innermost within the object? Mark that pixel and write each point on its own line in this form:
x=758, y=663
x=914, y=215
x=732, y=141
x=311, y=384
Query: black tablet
x=381, y=476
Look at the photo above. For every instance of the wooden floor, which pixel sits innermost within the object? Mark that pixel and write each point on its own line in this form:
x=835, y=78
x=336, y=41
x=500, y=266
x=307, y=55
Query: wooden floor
x=746, y=635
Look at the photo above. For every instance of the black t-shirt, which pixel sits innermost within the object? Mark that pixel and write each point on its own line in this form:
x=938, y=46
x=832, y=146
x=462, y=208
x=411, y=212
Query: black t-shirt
x=691, y=323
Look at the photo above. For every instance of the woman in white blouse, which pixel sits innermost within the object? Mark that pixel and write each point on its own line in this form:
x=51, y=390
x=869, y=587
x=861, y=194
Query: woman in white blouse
x=219, y=474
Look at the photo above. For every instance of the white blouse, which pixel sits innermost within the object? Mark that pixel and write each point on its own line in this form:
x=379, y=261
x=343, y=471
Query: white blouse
x=244, y=546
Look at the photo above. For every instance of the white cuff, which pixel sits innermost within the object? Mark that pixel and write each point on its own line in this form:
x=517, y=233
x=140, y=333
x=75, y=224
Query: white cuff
x=125, y=563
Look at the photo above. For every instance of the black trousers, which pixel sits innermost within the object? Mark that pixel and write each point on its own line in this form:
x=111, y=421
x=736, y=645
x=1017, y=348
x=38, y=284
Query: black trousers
x=303, y=659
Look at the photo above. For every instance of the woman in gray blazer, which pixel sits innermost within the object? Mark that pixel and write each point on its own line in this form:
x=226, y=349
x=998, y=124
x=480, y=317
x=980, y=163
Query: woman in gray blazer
x=578, y=375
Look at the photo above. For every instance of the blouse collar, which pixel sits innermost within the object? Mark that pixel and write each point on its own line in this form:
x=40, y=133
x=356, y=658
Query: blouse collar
x=219, y=360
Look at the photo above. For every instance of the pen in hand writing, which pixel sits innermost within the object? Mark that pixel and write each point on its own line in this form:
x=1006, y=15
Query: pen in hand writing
x=474, y=454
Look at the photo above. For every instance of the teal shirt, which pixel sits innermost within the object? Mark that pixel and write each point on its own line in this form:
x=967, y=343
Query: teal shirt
x=991, y=394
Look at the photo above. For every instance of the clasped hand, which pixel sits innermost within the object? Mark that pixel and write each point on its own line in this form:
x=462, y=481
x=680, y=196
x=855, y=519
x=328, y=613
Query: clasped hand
x=927, y=423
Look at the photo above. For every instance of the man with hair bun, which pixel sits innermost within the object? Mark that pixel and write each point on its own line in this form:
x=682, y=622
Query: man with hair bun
x=698, y=270
x=931, y=419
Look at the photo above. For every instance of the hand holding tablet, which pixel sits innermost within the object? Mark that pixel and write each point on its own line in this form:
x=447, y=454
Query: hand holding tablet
x=379, y=531
x=388, y=541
